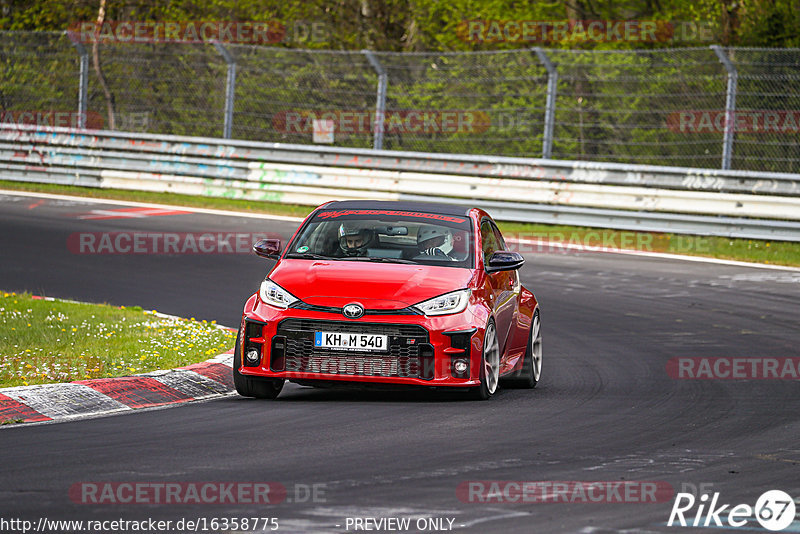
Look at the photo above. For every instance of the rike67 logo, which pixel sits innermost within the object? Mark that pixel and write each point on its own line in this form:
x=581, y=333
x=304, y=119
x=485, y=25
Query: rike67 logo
x=774, y=510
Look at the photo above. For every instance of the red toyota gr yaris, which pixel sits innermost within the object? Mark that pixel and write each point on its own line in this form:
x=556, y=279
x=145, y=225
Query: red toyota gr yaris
x=390, y=293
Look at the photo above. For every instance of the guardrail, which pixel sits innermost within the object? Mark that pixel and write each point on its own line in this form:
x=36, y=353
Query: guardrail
x=635, y=197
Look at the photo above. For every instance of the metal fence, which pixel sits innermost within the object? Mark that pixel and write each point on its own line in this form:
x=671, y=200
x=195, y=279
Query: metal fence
x=708, y=107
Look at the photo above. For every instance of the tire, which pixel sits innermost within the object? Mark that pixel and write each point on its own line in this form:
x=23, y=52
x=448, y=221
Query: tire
x=490, y=365
x=260, y=388
x=528, y=376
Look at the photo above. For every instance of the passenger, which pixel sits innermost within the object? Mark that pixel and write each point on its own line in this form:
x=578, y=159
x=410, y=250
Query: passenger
x=436, y=241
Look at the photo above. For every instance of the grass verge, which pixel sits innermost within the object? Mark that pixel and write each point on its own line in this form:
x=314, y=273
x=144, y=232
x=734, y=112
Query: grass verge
x=44, y=342
x=750, y=250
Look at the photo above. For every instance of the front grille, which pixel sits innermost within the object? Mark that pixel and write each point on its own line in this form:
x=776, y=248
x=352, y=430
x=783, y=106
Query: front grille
x=403, y=359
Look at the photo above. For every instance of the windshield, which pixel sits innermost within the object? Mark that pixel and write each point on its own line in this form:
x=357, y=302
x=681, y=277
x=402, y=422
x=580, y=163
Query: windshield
x=386, y=236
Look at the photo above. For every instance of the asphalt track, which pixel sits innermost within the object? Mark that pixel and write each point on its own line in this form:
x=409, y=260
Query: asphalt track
x=606, y=409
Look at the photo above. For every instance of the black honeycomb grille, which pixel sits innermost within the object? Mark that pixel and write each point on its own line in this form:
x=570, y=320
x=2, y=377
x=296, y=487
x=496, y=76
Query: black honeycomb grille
x=401, y=360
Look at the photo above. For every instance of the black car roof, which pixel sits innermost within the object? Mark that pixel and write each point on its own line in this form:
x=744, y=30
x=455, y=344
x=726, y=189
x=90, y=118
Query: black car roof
x=400, y=205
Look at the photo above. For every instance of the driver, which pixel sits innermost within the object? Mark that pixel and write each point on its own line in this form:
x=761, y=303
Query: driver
x=435, y=241
x=354, y=239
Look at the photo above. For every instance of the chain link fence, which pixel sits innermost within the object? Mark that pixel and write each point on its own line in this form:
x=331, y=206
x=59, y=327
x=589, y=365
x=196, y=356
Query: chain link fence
x=697, y=107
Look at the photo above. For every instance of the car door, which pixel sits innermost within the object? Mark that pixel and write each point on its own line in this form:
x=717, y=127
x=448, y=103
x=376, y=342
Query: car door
x=501, y=284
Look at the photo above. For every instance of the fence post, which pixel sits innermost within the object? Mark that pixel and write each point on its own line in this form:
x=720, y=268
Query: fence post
x=230, y=87
x=83, y=81
x=550, y=107
x=730, y=106
x=380, y=105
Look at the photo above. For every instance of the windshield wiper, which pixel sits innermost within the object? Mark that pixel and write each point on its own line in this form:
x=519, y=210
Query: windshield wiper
x=379, y=259
x=309, y=256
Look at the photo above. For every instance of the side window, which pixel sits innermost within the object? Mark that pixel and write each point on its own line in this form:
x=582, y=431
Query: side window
x=501, y=243
x=488, y=239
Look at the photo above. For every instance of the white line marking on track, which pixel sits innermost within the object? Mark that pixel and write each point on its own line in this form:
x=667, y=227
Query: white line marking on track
x=208, y=211
x=129, y=213
x=493, y=518
x=647, y=254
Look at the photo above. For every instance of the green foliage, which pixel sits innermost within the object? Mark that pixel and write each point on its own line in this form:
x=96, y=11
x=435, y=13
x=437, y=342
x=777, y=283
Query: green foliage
x=771, y=24
x=426, y=24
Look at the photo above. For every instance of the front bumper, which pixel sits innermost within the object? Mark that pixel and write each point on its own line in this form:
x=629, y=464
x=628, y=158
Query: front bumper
x=422, y=350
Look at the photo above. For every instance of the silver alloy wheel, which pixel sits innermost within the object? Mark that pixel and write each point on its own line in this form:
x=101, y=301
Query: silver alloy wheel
x=491, y=359
x=536, y=348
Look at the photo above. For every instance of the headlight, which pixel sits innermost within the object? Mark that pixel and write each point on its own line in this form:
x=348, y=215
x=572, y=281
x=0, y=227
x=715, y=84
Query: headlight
x=275, y=295
x=453, y=302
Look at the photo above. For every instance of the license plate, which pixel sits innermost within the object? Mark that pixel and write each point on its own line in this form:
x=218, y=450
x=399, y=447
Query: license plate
x=359, y=342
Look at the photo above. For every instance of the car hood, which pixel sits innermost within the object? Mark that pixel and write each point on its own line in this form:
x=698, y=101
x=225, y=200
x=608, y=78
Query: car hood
x=382, y=286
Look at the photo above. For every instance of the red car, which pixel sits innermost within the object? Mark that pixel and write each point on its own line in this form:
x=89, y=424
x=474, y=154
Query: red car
x=390, y=293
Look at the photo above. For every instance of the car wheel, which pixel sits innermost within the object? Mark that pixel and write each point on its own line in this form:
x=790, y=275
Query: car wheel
x=260, y=388
x=490, y=365
x=530, y=373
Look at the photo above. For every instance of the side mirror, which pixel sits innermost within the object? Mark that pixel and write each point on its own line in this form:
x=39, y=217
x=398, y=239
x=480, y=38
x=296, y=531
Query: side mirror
x=504, y=260
x=268, y=248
